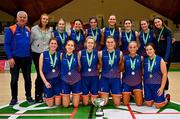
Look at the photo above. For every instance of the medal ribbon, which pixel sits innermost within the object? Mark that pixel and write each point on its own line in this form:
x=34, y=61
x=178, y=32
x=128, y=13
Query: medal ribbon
x=70, y=62
x=53, y=62
x=160, y=34
x=89, y=60
x=94, y=35
x=62, y=37
x=145, y=39
x=133, y=63
x=112, y=33
x=150, y=66
x=111, y=59
x=128, y=38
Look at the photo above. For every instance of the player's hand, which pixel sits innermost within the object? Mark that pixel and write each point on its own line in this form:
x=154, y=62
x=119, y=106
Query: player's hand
x=48, y=85
x=160, y=91
x=11, y=62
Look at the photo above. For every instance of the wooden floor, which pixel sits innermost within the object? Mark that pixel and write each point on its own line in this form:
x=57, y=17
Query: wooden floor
x=5, y=87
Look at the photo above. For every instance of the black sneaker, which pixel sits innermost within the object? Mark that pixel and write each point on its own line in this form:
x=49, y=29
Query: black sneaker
x=38, y=99
x=30, y=100
x=168, y=97
x=13, y=102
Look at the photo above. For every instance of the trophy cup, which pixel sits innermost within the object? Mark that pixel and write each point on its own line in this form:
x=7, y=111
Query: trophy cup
x=99, y=102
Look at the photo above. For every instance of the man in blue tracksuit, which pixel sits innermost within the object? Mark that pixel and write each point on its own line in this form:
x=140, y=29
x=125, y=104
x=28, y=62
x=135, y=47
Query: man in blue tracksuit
x=17, y=48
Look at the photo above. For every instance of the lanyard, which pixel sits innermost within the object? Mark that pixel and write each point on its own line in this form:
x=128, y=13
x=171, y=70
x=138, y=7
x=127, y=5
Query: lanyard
x=160, y=34
x=94, y=35
x=133, y=63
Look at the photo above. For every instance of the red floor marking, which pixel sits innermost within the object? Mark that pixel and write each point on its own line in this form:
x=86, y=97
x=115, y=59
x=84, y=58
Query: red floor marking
x=158, y=113
x=131, y=112
x=73, y=113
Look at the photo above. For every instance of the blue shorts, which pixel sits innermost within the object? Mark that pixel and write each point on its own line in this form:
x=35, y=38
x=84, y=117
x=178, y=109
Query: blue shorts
x=90, y=84
x=110, y=85
x=55, y=89
x=128, y=88
x=150, y=93
x=67, y=88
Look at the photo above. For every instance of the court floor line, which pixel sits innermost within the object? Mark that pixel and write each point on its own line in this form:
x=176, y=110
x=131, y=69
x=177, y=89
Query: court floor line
x=131, y=112
x=73, y=113
x=22, y=114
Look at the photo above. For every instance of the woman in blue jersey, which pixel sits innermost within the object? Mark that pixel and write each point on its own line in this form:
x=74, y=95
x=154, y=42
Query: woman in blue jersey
x=88, y=59
x=111, y=30
x=155, y=76
x=49, y=68
x=110, y=60
x=128, y=35
x=71, y=78
x=94, y=31
x=61, y=35
x=77, y=34
x=132, y=75
x=146, y=36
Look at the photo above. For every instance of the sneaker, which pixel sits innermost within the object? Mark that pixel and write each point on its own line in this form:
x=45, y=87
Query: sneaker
x=13, y=102
x=168, y=97
x=30, y=100
x=38, y=99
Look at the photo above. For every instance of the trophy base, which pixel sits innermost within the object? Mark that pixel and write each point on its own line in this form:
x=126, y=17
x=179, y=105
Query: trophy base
x=100, y=113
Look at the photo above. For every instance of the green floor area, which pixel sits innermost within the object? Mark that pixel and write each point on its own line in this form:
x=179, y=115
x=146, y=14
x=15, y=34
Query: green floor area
x=84, y=112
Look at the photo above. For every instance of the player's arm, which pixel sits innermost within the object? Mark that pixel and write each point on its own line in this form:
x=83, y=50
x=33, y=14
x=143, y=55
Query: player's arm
x=47, y=84
x=164, y=77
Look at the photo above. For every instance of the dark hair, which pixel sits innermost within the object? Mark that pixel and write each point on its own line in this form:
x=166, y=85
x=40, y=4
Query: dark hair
x=152, y=45
x=116, y=27
x=40, y=21
x=54, y=40
x=146, y=20
x=127, y=20
x=89, y=37
x=81, y=31
x=161, y=20
x=93, y=18
x=111, y=38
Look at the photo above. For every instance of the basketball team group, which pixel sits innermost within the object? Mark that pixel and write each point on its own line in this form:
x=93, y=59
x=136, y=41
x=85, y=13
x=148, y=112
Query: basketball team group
x=81, y=65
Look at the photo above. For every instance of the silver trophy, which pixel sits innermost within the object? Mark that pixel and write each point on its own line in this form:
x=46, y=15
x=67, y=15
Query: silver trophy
x=99, y=102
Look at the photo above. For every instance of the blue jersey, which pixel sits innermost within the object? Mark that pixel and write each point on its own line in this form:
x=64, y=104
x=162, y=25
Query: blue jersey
x=70, y=76
x=156, y=72
x=93, y=71
x=98, y=37
x=109, y=71
x=143, y=43
x=108, y=31
x=17, y=43
x=128, y=76
x=124, y=40
x=79, y=41
x=48, y=69
x=62, y=38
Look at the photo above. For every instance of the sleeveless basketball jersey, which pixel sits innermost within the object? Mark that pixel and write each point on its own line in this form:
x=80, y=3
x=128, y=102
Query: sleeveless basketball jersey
x=74, y=36
x=70, y=76
x=62, y=39
x=93, y=71
x=98, y=38
x=47, y=68
x=109, y=71
x=124, y=40
x=156, y=72
x=108, y=31
x=143, y=42
x=128, y=77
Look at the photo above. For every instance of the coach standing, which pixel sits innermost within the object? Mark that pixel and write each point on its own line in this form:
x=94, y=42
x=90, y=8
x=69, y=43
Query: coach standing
x=17, y=48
